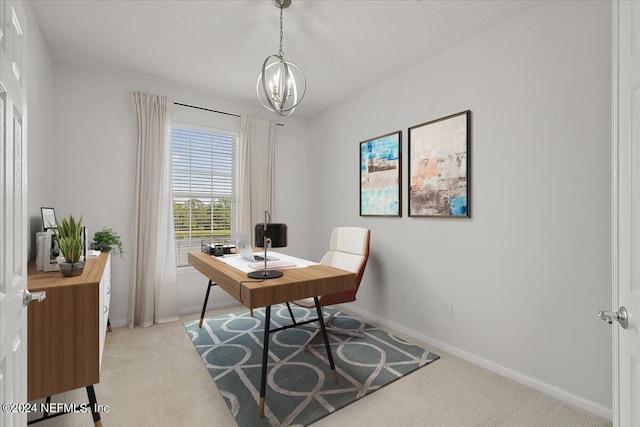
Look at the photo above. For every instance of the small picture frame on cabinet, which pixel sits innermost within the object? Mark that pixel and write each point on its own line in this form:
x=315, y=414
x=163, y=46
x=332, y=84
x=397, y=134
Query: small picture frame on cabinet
x=48, y=218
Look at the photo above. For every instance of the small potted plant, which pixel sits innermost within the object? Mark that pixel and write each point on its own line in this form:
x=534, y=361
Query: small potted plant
x=107, y=240
x=69, y=235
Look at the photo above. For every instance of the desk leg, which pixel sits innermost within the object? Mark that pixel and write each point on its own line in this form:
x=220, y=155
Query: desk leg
x=293, y=319
x=206, y=300
x=334, y=374
x=265, y=356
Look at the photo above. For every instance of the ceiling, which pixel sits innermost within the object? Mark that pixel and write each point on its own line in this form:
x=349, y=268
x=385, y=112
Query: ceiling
x=218, y=47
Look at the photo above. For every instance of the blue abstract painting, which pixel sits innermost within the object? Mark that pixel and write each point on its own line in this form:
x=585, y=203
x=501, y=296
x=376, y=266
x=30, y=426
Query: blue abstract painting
x=380, y=172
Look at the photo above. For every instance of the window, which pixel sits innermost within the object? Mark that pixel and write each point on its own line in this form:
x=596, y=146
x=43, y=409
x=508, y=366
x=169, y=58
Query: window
x=204, y=190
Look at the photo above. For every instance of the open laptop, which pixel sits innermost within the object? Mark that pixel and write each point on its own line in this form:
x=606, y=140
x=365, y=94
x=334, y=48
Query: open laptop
x=246, y=251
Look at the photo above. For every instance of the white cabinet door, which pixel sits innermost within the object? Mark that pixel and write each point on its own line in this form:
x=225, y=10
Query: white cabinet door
x=105, y=300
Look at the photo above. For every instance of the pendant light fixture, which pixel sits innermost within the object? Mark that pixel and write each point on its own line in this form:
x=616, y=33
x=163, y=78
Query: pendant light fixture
x=281, y=85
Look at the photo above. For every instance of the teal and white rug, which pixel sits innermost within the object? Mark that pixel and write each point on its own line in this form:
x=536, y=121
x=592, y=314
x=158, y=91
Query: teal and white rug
x=300, y=389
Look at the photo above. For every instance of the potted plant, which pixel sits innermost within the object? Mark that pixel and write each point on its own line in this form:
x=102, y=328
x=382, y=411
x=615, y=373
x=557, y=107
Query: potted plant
x=107, y=240
x=69, y=235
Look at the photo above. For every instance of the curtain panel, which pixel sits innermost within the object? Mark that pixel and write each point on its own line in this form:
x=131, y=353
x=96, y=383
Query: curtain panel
x=153, y=292
x=256, y=172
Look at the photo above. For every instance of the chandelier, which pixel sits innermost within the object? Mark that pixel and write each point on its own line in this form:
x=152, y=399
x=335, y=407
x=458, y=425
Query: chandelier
x=281, y=84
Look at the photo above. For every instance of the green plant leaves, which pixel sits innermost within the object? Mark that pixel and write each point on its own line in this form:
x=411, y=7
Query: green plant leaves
x=71, y=249
x=69, y=228
x=69, y=234
x=108, y=240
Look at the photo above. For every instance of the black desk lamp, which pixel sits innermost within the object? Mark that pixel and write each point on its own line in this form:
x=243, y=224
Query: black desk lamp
x=269, y=235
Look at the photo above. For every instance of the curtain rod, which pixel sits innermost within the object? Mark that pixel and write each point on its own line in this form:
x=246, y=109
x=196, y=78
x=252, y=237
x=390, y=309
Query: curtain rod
x=214, y=111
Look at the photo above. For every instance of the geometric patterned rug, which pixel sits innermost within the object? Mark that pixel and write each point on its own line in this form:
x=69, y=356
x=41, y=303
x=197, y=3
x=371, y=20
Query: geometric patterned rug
x=300, y=389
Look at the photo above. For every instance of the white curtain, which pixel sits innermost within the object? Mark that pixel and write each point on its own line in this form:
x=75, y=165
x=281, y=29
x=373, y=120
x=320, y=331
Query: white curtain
x=153, y=292
x=256, y=172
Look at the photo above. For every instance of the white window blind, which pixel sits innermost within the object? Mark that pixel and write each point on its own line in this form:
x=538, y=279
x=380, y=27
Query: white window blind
x=204, y=189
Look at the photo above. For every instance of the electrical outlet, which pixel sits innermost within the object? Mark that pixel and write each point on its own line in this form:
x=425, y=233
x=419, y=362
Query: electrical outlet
x=403, y=299
x=447, y=310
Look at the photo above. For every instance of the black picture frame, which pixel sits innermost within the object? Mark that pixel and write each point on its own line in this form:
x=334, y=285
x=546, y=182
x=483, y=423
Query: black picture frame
x=439, y=167
x=48, y=218
x=381, y=175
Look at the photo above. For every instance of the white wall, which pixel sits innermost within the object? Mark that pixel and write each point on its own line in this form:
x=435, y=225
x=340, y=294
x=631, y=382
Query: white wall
x=88, y=168
x=528, y=272
x=38, y=77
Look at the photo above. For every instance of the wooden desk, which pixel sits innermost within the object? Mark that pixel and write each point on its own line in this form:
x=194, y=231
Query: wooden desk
x=296, y=283
x=66, y=331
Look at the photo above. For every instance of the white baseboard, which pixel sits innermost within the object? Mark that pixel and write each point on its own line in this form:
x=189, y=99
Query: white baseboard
x=183, y=312
x=555, y=392
x=118, y=323
x=191, y=310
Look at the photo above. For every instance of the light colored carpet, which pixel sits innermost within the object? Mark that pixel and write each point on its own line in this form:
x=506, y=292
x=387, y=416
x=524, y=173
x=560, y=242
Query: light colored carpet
x=153, y=377
x=299, y=389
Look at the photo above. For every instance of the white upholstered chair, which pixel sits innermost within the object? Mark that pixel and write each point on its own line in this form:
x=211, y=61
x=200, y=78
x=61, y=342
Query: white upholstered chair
x=348, y=250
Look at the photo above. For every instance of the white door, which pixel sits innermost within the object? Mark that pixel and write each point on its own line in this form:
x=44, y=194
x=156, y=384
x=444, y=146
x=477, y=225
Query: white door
x=626, y=211
x=13, y=215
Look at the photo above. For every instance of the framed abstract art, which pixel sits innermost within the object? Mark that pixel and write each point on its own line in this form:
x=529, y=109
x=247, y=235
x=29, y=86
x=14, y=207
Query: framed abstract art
x=439, y=167
x=380, y=175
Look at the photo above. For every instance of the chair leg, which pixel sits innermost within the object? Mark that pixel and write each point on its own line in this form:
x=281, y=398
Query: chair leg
x=206, y=299
x=307, y=345
x=345, y=332
x=328, y=321
x=339, y=331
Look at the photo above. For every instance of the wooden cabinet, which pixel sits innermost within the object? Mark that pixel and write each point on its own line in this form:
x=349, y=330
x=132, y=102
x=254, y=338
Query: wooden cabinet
x=66, y=331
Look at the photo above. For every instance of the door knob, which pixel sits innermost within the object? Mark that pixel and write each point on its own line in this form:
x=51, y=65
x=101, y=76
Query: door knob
x=621, y=317
x=27, y=297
